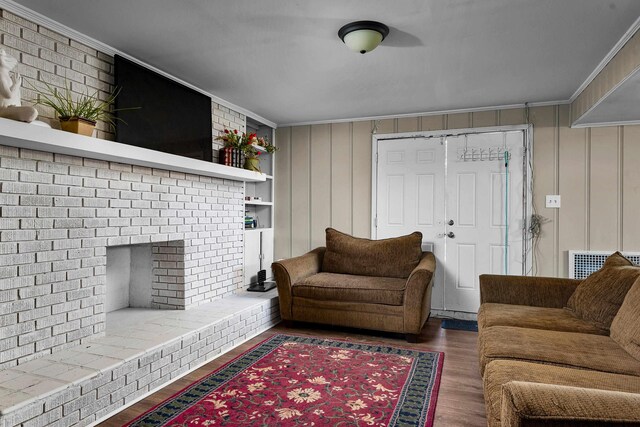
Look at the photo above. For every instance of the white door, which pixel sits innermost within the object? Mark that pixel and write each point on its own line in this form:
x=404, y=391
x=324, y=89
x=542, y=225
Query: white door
x=455, y=191
x=410, y=196
x=484, y=192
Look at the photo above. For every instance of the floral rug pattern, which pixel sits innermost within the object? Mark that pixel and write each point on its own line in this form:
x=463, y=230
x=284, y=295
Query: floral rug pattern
x=303, y=381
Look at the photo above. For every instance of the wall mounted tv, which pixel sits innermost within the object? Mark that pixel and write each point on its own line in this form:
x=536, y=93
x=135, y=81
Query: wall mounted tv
x=172, y=117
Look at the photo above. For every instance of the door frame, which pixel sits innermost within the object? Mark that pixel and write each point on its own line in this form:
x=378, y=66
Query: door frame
x=527, y=129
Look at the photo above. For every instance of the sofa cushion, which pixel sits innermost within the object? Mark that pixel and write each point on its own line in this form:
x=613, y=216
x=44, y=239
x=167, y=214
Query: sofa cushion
x=586, y=351
x=351, y=288
x=500, y=372
x=625, y=329
x=395, y=257
x=525, y=316
x=599, y=297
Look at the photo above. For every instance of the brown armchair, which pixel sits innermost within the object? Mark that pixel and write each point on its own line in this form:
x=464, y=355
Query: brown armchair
x=372, y=284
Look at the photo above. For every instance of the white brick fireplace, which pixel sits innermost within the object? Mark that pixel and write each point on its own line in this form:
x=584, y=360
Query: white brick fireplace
x=60, y=214
x=78, y=215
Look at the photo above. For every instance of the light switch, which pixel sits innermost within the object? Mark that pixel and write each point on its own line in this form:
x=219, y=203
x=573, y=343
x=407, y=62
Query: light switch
x=553, y=201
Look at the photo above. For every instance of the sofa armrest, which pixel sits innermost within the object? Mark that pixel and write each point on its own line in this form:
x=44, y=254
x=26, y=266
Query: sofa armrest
x=417, y=295
x=526, y=404
x=549, y=292
x=287, y=272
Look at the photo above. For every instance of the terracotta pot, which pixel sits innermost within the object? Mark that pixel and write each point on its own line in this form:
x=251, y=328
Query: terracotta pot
x=77, y=125
x=252, y=164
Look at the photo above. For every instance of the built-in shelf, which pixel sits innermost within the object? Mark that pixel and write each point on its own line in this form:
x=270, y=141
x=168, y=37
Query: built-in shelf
x=250, y=230
x=24, y=135
x=257, y=203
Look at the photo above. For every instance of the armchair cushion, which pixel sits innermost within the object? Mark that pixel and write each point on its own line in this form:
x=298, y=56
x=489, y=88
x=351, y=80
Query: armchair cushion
x=351, y=288
x=599, y=297
x=396, y=257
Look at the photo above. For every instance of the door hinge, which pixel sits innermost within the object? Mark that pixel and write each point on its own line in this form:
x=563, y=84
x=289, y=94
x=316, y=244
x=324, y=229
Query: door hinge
x=375, y=222
x=376, y=157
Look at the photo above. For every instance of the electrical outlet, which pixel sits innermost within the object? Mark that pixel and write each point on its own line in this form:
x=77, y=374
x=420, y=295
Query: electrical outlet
x=553, y=201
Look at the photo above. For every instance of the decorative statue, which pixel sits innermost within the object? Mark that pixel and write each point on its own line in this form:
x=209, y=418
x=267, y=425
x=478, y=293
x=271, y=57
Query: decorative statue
x=10, y=104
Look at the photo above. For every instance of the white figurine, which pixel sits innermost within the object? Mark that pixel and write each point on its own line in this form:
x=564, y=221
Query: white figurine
x=10, y=103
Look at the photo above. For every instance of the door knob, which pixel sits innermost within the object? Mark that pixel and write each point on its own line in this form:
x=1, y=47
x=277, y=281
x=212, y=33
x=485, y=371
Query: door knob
x=451, y=222
x=451, y=235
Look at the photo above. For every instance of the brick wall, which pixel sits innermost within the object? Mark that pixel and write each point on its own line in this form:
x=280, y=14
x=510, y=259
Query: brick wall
x=59, y=213
x=46, y=56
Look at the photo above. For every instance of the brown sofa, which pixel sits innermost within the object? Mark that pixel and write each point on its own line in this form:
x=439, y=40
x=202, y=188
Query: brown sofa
x=372, y=284
x=561, y=352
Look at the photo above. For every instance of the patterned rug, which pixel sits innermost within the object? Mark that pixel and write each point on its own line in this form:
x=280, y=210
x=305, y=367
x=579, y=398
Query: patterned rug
x=290, y=380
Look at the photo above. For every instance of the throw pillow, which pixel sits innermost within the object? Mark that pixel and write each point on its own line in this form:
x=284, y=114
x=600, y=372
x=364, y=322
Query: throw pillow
x=395, y=257
x=599, y=297
x=625, y=329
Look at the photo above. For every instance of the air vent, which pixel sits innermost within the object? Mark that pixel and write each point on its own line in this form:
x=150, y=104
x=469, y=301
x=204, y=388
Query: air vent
x=583, y=263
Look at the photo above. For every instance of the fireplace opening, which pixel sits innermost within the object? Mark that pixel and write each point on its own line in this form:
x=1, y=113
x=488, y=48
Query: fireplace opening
x=146, y=276
x=129, y=277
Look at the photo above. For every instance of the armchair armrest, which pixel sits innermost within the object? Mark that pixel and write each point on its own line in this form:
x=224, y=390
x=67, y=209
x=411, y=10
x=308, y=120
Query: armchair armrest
x=549, y=292
x=417, y=295
x=287, y=272
x=526, y=404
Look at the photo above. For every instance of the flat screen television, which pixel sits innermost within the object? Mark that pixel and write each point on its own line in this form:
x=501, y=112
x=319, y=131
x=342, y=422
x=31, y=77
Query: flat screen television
x=172, y=117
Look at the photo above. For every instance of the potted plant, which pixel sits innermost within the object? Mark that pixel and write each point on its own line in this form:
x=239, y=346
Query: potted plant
x=249, y=145
x=252, y=147
x=78, y=113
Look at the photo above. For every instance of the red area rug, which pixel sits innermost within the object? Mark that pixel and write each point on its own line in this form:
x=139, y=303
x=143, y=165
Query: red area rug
x=290, y=380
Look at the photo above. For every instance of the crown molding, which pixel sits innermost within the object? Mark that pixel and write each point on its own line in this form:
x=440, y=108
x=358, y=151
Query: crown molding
x=428, y=113
x=56, y=26
x=614, y=50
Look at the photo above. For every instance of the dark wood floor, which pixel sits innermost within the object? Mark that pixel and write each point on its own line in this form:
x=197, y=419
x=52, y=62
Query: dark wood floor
x=460, y=401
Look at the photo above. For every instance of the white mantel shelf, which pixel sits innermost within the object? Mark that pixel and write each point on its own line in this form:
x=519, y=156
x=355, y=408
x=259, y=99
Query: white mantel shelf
x=33, y=137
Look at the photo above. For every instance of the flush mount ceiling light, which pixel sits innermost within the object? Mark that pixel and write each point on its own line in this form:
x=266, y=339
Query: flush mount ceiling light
x=363, y=36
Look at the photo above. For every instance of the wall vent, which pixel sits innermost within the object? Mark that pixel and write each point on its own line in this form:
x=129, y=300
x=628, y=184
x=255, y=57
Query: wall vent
x=583, y=263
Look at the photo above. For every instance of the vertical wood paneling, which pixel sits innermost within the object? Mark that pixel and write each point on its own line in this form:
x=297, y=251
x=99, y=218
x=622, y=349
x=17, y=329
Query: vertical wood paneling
x=573, y=185
x=484, y=118
x=512, y=116
x=320, y=211
x=631, y=188
x=341, y=177
x=386, y=126
x=594, y=170
x=300, y=190
x=408, y=124
x=459, y=121
x=545, y=149
x=282, y=194
x=432, y=122
x=604, y=196
x=361, y=186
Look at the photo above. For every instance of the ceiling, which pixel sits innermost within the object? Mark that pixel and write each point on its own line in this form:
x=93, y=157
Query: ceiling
x=282, y=59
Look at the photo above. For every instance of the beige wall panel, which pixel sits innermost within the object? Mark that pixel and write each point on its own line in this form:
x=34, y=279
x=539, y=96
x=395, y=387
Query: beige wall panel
x=320, y=211
x=361, y=179
x=545, y=147
x=631, y=188
x=573, y=186
x=408, y=124
x=604, y=191
x=459, y=121
x=282, y=196
x=300, y=189
x=386, y=126
x=341, y=214
x=512, y=116
x=484, y=118
x=429, y=123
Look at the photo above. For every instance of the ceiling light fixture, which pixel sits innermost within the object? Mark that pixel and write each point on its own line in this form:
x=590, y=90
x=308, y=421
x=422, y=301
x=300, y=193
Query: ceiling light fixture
x=363, y=36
